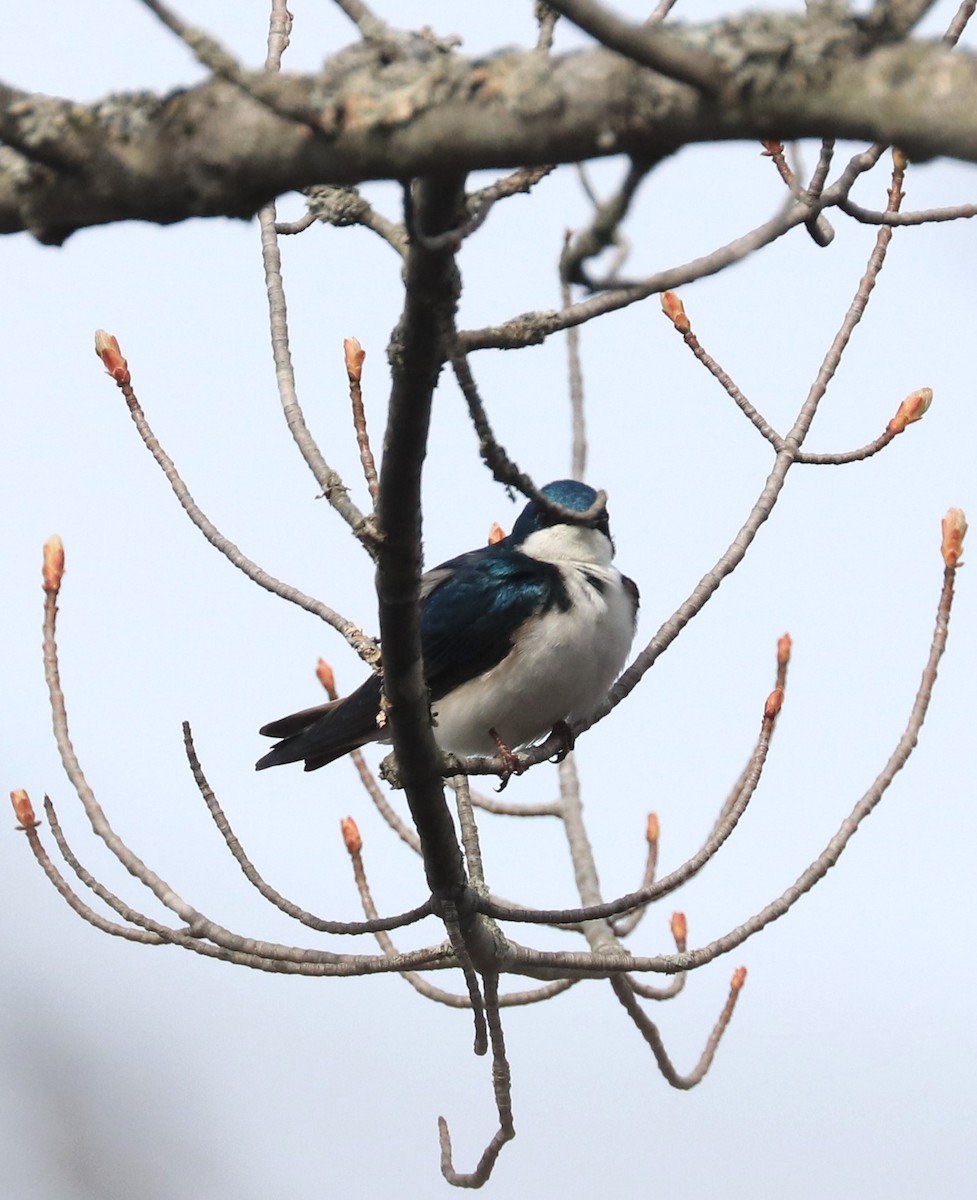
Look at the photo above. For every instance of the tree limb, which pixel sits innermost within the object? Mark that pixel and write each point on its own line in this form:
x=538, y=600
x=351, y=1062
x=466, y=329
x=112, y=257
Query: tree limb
x=410, y=108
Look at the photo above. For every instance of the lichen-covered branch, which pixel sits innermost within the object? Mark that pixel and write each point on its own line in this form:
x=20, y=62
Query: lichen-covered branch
x=408, y=106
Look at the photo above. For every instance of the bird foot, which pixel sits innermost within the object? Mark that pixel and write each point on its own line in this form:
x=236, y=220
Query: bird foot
x=511, y=763
x=563, y=731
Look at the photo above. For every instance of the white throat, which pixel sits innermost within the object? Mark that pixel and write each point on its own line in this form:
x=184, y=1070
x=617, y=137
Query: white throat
x=569, y=543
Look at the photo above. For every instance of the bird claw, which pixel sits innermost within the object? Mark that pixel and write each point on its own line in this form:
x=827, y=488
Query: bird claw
x=511, y=763
x=563, y=731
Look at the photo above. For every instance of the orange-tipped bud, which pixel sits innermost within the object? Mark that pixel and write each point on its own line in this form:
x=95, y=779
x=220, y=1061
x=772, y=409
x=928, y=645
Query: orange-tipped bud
x=911, y=409
x=324, y=674
x=652, y=828
x=739, y=978
x=771, y=148
x=784, y=646
x=899, y=160
x=53, y=567
x=354, y=355
x=107, y=349
x=680, y=928
x=775, y=701
x=954, y=530
x=496, y=534
x=351, y=835
x=674, y=309
x=24, y=810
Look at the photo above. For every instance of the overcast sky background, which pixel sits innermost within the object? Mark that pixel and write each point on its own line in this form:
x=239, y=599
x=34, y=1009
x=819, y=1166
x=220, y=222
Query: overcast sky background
x=128, y=1071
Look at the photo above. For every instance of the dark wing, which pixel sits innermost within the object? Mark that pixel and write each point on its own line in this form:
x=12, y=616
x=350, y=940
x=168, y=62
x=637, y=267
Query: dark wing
x=325, y=732
x=632, y=590
x=471, y=609
x=473, y=606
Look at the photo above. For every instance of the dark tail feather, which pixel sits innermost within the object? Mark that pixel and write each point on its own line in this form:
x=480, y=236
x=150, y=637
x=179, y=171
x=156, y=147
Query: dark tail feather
x=327, y=732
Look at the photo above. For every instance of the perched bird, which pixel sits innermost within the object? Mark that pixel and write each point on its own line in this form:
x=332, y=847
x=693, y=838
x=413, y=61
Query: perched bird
x=517, y=637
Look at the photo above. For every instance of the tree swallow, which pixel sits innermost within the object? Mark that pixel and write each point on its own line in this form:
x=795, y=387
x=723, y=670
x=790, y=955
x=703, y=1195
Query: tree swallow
x=518, y=638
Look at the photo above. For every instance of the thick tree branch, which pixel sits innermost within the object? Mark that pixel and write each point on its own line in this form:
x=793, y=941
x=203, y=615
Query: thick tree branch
x=411, y=108
x=417, y=351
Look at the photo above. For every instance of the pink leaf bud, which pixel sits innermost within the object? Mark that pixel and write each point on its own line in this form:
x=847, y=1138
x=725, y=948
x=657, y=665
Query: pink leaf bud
x=674, y=309
x=23, y=809
x=107, y=349
x=354, y=355
x=324, y=674
x=954, y=530
x=911, y=409
x=351, y=835
x=53, y=567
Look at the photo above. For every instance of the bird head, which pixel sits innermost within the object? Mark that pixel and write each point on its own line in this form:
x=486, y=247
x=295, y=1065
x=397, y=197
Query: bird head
x=543, y=534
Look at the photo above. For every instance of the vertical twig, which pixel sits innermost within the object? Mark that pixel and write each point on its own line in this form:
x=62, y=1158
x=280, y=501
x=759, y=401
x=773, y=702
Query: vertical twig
x=354, y=355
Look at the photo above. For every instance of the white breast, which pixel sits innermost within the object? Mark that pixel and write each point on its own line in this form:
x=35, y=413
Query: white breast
x=560, y=668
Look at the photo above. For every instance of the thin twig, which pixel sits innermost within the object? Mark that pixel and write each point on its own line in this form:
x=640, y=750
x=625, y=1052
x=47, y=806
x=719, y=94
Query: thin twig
x=960, y=21
x=603, y=230
x=371, y=27
x=243, y=949
x=512, y=808
x=544, y=965
x=595, y=910
x=531, y=329
x=459, y=943
x=518, y=182
x=775, y=480
x=819, y=227
x=649, y=1031
x=469, y=832
x=662, y=10
x=501, y=1083
x=292, y=227
x=857, y=166
x=421, y=985
x=785, y=646
x=578, y=425
x=847, y=456
x=354, y=356
x=625, y=925
x=343, y=205
x=405, y=832
x=259, y=86
x=646, y=44
x=77, y=904
x=152, y=933
x=274, y=897
x=649, y=991
x=329, y=480
x=502, y=467
x=364, y=646
x=546, y=19
x=674, y=309
x=163, y=933
x=205, y=48
x=924, y=216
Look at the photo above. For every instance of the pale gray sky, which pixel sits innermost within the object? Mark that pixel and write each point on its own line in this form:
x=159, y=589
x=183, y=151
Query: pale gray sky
x=847, y=1071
